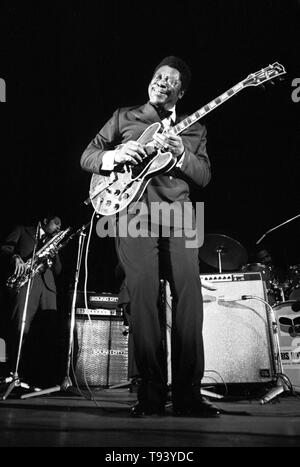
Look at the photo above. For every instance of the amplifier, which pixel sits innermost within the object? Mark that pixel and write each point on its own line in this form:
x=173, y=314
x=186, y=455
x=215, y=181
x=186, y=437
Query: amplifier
x=97, y=300
x=238, y=342
x=101, y=342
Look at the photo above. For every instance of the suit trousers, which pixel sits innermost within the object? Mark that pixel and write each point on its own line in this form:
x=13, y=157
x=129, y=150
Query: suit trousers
x=145, y=261
x=41, y=297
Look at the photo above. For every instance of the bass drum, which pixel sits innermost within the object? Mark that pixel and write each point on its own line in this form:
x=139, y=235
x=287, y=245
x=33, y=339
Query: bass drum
x=287, y=316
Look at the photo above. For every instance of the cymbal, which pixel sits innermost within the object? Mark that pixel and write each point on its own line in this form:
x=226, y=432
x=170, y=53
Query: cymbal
x=233, y=254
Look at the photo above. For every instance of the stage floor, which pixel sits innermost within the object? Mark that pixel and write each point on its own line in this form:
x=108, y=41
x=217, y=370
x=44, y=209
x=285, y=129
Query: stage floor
x=63, y=419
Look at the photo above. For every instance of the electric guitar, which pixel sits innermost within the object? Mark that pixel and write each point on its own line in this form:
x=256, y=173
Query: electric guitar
x=112, y=193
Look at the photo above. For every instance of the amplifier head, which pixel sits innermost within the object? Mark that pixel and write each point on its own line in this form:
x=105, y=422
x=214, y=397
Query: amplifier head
x=97, y=300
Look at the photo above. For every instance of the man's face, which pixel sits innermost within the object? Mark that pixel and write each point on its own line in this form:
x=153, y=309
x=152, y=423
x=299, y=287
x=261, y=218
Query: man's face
x=165, y=87
x=264, y=257
x=52, y=226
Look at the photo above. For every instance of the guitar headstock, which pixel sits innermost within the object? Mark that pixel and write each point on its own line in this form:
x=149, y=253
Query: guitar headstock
x=265, y=74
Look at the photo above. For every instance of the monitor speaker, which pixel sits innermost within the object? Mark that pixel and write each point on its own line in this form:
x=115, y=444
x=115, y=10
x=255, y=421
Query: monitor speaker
x=101, y=348
x=238, y=344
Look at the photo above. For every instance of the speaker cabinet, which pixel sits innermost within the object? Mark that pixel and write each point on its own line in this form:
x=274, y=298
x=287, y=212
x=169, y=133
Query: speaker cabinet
x=238, y=345
x=102, y=348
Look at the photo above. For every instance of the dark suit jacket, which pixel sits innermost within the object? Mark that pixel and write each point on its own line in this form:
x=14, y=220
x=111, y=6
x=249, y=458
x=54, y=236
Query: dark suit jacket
x=21, y=242
x=128, y=124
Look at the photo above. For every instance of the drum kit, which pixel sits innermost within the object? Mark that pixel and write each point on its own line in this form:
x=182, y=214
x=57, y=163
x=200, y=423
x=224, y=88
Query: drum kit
x=226, y=254
x=278, y=290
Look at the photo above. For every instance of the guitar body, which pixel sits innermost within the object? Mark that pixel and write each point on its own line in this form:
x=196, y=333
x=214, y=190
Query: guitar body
x=112, y=193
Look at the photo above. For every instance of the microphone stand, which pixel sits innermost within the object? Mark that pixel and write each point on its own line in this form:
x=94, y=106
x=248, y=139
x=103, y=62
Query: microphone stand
x=219, y=251
x=66, y=385
x=275, y=228
x=282, y=383
x=14, y=379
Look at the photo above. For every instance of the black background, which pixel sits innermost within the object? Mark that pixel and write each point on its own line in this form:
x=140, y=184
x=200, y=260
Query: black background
x=67, y=67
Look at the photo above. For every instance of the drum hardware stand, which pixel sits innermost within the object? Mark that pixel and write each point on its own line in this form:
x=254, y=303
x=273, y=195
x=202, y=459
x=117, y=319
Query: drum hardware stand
x=275, y=228
x=219, y=251
x=14, y=380
x=66, y=385
x=282, y=381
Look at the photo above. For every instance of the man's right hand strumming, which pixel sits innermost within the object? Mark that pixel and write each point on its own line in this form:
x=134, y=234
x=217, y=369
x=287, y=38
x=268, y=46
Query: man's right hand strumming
x=131, y=152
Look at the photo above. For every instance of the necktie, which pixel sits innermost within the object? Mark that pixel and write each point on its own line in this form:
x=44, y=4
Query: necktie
x=162, y=113
x=167, y=123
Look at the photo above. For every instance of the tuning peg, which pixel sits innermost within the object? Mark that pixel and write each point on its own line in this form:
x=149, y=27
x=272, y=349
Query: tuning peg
x=272, y=82
x=262, y=86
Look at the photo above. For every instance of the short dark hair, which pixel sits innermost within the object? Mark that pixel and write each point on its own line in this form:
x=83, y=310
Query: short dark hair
x=181, y=66
x=49, y=216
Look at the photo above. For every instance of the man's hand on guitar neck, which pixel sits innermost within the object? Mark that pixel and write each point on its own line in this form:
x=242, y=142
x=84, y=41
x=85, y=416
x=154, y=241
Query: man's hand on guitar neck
x=131, y=152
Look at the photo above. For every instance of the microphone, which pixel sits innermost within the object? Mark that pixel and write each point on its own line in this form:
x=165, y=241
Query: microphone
x=260, y=239
x=234, y=298
x=273, y=393
x=222, y=298
x=81, y=229
x=37, y=232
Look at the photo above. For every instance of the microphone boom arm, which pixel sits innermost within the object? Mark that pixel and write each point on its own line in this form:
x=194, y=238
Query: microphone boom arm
x=275, y=228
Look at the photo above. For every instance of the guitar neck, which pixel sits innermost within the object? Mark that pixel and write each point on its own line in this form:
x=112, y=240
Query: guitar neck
x=188, y=121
